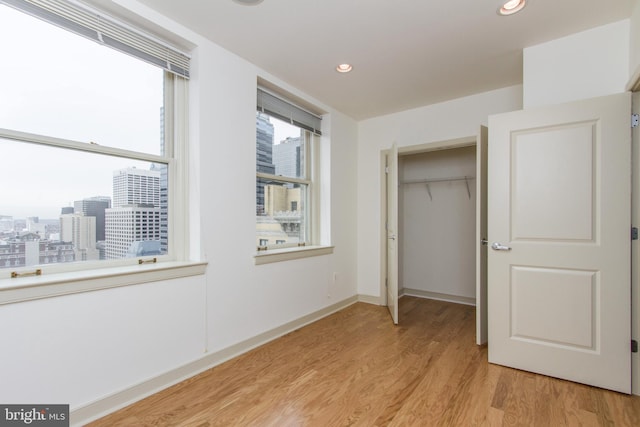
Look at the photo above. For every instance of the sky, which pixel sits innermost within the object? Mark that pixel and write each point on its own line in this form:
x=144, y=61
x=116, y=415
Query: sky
x=282, y=130
x=119, y=105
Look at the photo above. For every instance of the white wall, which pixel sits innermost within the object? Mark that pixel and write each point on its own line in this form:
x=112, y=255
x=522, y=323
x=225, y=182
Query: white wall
x=81, y=348
x=453, y=119
x=438, y=238
x=583, y=65
x=78, y=348
x=634, y=40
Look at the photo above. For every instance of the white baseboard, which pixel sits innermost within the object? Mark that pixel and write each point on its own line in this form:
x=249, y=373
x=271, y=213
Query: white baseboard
x=370, y=299
x=438, y=296
x=104, y=406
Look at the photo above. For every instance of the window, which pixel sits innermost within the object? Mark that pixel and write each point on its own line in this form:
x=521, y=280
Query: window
x=284, y=172
x=92, y=133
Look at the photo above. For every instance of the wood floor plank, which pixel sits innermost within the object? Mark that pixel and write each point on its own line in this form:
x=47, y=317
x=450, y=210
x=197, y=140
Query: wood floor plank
x=355, y=368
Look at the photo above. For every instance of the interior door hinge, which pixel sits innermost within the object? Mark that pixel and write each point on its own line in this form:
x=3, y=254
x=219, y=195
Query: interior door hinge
x=634, y=120
x=634, y=346
x=386, y=169
x=634, y=233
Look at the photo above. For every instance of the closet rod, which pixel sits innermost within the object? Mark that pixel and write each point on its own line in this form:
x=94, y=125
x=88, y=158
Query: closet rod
x=427, y=181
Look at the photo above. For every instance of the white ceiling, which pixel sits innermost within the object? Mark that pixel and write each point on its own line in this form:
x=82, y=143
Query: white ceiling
x=405, y=53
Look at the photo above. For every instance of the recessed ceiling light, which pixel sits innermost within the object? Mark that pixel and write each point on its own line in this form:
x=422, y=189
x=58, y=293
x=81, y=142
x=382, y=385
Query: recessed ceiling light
x=248, y=2
x=344, y=68
x=512, y=6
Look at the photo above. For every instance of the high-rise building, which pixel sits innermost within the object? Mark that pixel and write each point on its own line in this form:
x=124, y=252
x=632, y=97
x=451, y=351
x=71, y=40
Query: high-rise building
x=136, y=186
x=288, y=158
x=264, y=160
x=164, y=191
x=80, y=230
x=94, y=206
x=135, y=215
x=130, y=228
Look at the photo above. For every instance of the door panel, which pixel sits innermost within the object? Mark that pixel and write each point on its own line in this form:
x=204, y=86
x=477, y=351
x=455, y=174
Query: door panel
x=392, y=232
x=559, y=208
x=567, y=319
x=571, y=195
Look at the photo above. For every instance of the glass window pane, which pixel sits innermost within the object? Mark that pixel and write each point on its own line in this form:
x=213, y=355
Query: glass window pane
x=280, y=147
x=282, y=219
x=59, y=84
x=62, y=205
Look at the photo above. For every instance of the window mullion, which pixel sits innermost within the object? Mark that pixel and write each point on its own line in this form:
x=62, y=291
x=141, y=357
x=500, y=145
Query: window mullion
x=89, y=147
x=283, y=179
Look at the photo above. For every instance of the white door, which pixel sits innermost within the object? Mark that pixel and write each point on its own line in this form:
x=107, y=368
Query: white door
x=559, y=226
x=481, y=235
x=391, y=171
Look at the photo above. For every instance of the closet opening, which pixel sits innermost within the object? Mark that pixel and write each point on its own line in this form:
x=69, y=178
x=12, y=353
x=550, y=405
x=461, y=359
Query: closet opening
x=437, y=225
x=441, y=224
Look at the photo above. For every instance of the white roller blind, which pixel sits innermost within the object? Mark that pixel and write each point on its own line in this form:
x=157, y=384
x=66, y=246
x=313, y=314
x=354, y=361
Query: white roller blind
x=285, y=110
x=107, y=31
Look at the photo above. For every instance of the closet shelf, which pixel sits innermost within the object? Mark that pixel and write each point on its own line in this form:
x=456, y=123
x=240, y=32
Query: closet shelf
x=428, y=181
x=466, y=179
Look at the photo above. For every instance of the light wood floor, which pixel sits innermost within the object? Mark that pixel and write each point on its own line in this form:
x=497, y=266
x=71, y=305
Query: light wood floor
x=356, y=368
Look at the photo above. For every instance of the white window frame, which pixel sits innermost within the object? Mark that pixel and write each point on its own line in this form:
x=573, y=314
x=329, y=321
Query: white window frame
x=309, y=201
x=65, y=278
x=312, y=245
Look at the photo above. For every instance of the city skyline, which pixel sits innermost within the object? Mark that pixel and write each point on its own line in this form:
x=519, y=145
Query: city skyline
x=130, y=226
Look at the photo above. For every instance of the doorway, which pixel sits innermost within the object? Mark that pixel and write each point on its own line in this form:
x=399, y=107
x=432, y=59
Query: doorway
x=437, y=220
x=441, y=194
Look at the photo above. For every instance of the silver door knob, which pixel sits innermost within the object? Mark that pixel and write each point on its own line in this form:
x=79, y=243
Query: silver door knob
x=499, y=247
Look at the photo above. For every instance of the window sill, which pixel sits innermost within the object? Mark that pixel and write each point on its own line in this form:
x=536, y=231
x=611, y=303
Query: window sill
x=277, y=255
x=37, y=287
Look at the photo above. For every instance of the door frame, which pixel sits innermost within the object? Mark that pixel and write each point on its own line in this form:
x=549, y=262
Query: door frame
x=468, y=141
x=635, y=245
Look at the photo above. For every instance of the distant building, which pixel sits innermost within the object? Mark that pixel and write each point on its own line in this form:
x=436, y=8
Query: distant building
x=269, y=232
x=136, y=213
x=164, y=190
x=34, y=226
x=280, y=198
x=127, y=226
x=29, y=249
x=264, y=159
x=288, y=158
x=164, y=206
x=80, y=230
x=95, y=207
x=144, y=248
x=6, y=223
x=136, y=186
x=283, y=221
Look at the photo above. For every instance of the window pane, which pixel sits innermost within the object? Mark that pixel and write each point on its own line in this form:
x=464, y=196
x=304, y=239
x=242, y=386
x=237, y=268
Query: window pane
x=280, y=147
x=283, y=220
x=62, y=205
x=59, y=84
